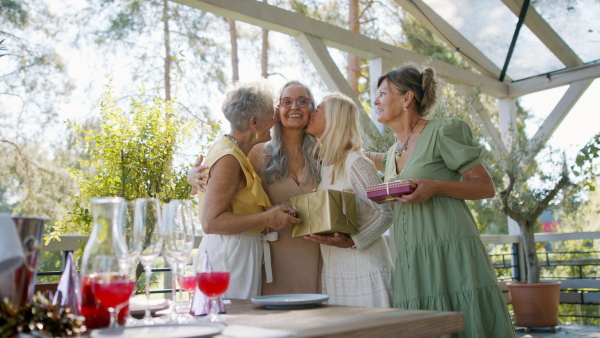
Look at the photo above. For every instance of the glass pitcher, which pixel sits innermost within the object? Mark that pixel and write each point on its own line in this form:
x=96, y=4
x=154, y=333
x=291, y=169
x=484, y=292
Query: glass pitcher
x=106, y=239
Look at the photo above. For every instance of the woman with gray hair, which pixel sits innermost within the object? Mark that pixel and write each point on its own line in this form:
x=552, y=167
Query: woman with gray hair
x=232, y=207
x=287, y=167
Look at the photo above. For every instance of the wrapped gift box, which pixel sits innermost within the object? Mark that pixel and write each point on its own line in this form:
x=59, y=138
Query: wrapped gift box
x=324, y=212
x=387, y=192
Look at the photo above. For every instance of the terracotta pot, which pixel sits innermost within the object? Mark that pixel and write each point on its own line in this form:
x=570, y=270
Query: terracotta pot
x=535, y=305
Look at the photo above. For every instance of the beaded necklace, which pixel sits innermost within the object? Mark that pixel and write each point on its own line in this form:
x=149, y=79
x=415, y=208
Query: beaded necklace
x=232, y=140
x=401, y=149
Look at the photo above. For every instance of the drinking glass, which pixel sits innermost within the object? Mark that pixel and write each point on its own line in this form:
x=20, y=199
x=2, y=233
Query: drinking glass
x=133, y=236
x=112, y=285
x=187, y=281
x=148, y=219
x=213, y=279
x=178, y=244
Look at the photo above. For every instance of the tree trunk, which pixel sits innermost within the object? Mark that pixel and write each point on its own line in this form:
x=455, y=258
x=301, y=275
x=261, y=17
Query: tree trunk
x=264, y=60
x=531, y=259
x=353, y=60
x=234, y=51
x=168, y=59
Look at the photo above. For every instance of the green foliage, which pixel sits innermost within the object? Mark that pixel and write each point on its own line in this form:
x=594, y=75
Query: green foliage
x=149, y=30
x=14, y=12
x=421, y=40
x=586, y=162
x=130, y=156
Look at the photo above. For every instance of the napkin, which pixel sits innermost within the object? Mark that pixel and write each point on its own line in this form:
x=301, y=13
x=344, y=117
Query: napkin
x=68, y=291
x=201, y=304
x=244, y=331
x=11, y=255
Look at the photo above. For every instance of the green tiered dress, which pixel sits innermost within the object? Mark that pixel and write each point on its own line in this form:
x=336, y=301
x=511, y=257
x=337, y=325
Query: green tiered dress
x=441, y=262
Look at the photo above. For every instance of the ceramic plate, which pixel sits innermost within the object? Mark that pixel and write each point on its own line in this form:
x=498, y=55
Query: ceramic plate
x=137, y=305
x=290, y=301
x=162, y=331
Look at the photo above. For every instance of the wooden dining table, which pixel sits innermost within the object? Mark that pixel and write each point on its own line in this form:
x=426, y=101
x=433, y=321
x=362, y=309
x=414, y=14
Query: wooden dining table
x=345, y=321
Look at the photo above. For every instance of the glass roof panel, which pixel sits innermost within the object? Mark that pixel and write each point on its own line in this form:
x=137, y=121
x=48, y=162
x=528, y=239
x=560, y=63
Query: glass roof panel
x=576, y=22
x=484, y=23
x=531, y=57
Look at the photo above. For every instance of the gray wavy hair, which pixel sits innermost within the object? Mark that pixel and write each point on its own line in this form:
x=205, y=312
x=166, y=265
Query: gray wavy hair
x=277, y=168
x=247, y=99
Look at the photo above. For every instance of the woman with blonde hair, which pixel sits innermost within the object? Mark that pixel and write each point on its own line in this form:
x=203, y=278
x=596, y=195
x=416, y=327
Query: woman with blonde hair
x=357, y=269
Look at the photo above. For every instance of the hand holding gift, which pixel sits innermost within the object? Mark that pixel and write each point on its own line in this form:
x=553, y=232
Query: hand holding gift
x=325, y=212
x=389, y=191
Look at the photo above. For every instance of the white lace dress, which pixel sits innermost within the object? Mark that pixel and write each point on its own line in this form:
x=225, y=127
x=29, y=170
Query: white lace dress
x=361, y=276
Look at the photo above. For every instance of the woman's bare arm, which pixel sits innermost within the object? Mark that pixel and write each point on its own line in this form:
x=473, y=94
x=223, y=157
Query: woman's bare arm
x=226, y=179
x=476, y=184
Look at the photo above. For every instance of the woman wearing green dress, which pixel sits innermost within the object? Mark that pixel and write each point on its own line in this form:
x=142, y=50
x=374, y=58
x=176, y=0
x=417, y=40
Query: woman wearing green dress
x=441, y=263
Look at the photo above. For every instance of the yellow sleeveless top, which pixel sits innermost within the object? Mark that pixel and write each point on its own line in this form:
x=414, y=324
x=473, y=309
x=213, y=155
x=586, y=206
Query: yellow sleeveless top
x=250, y=200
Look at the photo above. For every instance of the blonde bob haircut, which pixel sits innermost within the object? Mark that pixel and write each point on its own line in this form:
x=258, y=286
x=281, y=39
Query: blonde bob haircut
x=341, y=135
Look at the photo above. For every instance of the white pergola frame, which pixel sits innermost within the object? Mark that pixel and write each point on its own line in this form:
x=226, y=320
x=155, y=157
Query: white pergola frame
x=315, y=36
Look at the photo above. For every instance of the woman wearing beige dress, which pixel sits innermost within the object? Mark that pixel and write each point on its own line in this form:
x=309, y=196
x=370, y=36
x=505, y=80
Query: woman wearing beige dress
x=287, y=168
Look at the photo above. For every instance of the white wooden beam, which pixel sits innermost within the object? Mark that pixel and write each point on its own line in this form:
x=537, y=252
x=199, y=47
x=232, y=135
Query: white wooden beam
x=377, y=67
x=277, y=19
x=544, y=32
x=317, y=52
x=556, y=79
x=446, y=32
x=507, y=109
x=560, y=111
x=489, y=130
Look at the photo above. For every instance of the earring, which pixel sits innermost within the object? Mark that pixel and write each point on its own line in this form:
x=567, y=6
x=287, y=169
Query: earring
x=404, y=108
x=256, y=135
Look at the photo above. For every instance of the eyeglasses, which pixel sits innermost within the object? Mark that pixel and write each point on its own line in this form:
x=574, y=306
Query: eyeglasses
x=287, y=102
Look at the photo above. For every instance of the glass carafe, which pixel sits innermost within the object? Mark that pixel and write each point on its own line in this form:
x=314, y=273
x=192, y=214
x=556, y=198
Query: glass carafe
x=105, y=240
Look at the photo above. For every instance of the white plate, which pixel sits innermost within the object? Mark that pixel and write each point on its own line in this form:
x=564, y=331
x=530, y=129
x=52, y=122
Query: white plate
x=137, y=305
x=162, y=331
x=290, y=301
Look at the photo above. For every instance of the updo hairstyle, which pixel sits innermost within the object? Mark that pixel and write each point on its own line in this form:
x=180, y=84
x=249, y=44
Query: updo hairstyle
x=423, y=83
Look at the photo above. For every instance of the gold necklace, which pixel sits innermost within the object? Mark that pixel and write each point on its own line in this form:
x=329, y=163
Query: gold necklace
x=399, y=149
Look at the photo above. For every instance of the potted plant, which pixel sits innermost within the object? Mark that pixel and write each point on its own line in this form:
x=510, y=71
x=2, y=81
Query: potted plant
x=531, y=189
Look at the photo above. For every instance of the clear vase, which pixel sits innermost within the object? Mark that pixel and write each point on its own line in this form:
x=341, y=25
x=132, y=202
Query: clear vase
x=105, y=240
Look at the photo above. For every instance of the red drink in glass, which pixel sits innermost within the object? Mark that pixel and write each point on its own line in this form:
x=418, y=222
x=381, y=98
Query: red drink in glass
x=95, y=315
x=213, y=284
x=112, y=294
x=189, y=283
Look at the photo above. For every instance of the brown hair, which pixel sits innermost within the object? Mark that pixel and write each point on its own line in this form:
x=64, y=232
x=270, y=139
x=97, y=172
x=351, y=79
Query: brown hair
x=423, y=83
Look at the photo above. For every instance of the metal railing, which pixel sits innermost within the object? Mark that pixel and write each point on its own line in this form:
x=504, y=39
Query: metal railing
x=513, y=261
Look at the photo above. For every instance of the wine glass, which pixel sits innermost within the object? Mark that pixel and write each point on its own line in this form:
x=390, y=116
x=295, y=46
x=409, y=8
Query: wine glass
x=112, y=285
x=178, y=244
x=187, y=281
x=148, y=220
x=213, y=280
x=133, y=236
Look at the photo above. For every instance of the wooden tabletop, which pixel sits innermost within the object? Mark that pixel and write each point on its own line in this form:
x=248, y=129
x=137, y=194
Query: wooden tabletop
x=346, y=321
